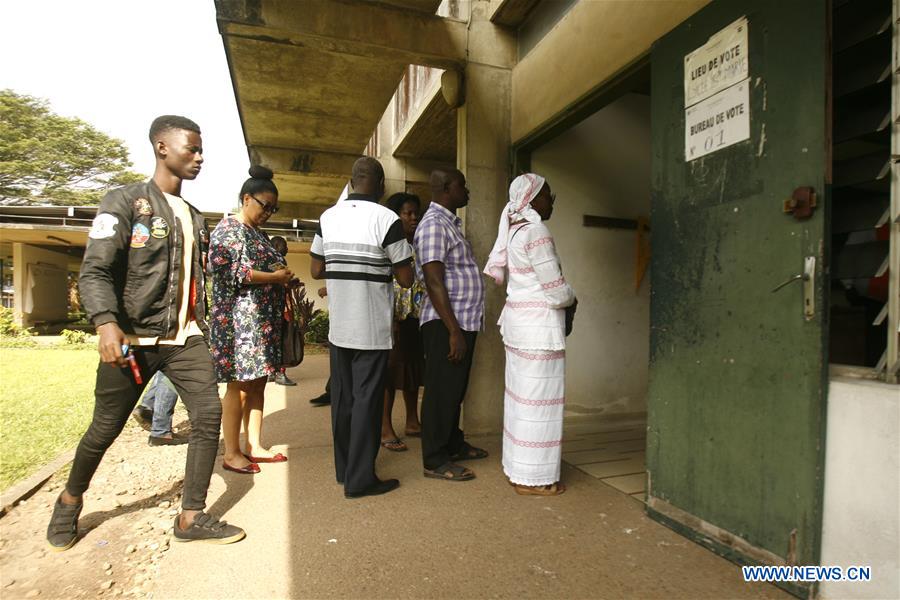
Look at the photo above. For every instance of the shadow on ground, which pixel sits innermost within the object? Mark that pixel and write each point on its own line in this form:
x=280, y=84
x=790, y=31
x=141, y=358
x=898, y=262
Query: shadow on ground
x=431, y=538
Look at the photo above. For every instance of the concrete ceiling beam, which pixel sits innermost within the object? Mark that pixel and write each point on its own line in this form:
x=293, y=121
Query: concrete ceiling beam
x=355, y=28
x=303, y=162
x=511, y=13
x=430, y=133
x=313, y=189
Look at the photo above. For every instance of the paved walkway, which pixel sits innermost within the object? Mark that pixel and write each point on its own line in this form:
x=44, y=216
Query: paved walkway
x=429, y=539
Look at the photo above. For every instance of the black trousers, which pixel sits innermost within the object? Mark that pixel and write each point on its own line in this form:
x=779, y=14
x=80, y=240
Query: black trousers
x=190, y=368
x=357, y=401
x=445, y=388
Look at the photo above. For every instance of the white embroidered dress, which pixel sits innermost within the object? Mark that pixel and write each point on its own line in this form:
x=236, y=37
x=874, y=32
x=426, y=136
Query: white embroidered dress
x=532, y=325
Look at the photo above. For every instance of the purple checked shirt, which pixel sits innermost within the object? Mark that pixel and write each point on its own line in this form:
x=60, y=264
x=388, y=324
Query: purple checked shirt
x=439, y=238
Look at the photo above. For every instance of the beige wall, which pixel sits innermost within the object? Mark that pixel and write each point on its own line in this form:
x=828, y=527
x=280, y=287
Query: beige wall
x=861, y=514
x=483, y=155
x=49, y=297
x=602, y=167
x=594, y=41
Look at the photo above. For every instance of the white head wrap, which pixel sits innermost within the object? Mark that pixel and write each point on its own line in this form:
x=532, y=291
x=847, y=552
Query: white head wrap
x=522, y=191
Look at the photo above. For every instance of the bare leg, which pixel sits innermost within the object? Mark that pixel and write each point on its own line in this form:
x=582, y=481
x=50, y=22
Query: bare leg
x=231, y=426
x=387, y=426
x=68, y=498
x=411, y=399
x=245, y=413
x=186, y=518
x=253, y=411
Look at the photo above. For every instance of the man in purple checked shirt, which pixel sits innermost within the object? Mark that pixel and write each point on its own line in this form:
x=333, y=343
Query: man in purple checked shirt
x=451, y=317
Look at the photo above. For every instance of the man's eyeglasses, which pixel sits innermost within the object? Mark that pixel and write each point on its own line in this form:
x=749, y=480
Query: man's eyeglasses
x=269, y=208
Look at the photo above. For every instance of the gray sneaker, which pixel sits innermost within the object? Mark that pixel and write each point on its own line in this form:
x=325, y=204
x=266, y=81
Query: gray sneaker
x=282, y=379
x=207, y=528
x=176, y=440
x=62, y=532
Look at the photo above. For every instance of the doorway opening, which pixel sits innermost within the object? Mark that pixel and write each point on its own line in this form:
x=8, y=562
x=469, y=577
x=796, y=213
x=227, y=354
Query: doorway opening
x=599, y=168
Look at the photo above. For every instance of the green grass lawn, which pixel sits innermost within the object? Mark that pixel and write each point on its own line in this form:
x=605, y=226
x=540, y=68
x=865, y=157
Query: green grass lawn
x=46, y=401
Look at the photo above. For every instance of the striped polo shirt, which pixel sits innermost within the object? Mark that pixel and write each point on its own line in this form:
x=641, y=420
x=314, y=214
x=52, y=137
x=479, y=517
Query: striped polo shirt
x=360, y=242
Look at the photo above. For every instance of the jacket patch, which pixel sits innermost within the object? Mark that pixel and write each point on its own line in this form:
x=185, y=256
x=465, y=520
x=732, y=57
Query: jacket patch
x=139, y=235
x=159, y=228
x=103, y=226
x=142, y=206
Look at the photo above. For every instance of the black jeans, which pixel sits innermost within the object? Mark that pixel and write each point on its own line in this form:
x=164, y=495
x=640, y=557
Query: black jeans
x=357, y=401
x=445, y=388
x=190, y=369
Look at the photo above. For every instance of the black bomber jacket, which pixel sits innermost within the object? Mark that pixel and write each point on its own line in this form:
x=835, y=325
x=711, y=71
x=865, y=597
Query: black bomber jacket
x=132, y=263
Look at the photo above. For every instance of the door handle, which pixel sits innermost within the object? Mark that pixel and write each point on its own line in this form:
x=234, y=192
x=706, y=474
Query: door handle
x=802, y=276
x=808, y=277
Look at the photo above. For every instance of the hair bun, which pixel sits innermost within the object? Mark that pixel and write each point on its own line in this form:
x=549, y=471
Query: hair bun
x=261, y=172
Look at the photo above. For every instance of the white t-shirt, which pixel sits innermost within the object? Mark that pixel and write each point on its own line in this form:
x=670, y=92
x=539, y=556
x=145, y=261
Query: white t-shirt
x=360, y=242
x=187, y=326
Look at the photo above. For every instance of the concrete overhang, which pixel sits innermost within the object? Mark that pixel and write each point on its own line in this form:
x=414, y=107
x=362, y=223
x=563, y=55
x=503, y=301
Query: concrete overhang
x=45, y=235
x=68, y=226
x=511, y=13
x=430, y=133
x=312, y=79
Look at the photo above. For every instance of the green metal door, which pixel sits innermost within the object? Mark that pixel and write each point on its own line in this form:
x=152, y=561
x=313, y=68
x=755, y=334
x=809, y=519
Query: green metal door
x=736, y=405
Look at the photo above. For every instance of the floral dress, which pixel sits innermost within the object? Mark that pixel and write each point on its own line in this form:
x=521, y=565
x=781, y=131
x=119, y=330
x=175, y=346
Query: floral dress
x=408, y=301
x=246, y=319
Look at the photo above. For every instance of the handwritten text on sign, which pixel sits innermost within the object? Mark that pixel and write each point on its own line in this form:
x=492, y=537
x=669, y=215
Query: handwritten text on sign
x=717, y=64
x=716, y=123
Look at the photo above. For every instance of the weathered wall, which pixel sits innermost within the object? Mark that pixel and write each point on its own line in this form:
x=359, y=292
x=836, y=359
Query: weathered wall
x=48, y=298
x=602, y=167
x=483, y=155
x=590, y=44
x=861, y=523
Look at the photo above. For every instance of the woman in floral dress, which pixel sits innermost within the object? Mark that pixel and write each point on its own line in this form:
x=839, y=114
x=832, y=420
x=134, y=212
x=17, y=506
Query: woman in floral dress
x=248, y=277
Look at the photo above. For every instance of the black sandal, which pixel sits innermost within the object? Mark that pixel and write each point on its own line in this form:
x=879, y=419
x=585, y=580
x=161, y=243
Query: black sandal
x=451, y=472
x=394, y=445
x=469, y=452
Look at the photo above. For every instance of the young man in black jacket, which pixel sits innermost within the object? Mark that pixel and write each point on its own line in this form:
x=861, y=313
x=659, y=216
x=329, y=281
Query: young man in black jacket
x=142, y=285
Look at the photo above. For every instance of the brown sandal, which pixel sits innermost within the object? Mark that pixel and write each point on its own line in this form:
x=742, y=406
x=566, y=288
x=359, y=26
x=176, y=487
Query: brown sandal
x=451, y=472
x=554, y=489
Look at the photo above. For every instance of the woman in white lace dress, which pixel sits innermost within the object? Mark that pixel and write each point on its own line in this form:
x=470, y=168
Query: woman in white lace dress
x=533, y=324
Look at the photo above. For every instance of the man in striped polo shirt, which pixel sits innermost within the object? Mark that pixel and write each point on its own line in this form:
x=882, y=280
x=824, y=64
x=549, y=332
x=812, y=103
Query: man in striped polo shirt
x=359, y=248
x=451, y=318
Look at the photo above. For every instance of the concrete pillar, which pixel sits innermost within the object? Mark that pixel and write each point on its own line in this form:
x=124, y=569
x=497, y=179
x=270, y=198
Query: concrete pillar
x=19, y=267
x=483, y=156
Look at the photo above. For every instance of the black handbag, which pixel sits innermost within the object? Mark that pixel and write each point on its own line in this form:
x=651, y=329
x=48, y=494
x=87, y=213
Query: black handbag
x=291, y=330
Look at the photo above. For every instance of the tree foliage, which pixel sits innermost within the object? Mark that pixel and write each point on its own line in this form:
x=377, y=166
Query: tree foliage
x=45, y=157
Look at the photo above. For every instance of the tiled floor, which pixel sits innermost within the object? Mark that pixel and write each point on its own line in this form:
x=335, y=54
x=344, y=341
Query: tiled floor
x=612, y=452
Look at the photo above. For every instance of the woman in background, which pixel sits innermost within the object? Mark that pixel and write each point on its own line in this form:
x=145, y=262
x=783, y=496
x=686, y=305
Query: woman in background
x=281, y=246
x=407, y=358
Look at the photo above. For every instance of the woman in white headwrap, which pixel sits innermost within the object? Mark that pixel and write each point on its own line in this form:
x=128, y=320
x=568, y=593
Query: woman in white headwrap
x=534, y=324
